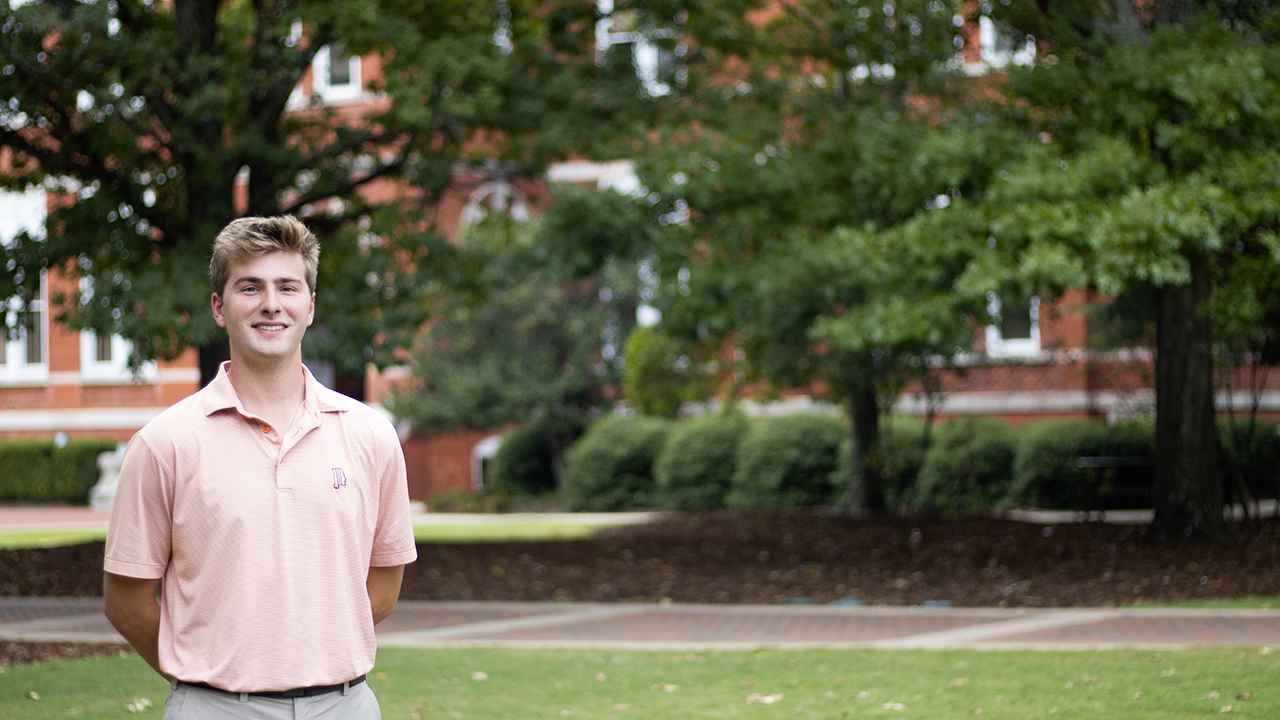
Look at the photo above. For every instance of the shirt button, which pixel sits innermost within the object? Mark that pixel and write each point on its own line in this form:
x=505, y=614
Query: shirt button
x=266, y=428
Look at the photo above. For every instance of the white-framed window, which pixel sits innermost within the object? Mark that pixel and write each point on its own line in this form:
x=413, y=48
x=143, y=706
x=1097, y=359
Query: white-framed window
x=656, y=53
x=24, y=357
x=1001, y=48
x=336, y=74
x=105, y=358
x=1014, y=330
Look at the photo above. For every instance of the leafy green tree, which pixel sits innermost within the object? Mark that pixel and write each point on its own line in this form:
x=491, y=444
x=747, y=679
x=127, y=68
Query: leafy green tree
x=146, y=113
x=1160, y=172
x=517, y=342
x=801, y=128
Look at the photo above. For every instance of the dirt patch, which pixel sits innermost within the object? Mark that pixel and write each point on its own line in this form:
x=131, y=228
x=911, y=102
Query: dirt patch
x=797, y=556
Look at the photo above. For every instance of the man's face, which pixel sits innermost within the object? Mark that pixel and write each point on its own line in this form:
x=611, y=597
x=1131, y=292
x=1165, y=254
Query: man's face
x=266, y=307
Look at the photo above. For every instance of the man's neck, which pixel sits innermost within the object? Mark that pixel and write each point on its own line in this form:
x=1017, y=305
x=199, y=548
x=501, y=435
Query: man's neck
x=272, y=392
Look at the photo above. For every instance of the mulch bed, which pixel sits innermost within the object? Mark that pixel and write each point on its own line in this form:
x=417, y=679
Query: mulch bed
x=791, y=556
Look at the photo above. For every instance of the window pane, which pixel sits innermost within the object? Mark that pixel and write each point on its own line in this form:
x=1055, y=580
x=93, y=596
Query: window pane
x=102, y=348
x=1015, y=320
x=34, y=338
x=339, y=65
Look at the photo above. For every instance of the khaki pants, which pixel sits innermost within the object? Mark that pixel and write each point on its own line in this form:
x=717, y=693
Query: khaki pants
x=190, y=703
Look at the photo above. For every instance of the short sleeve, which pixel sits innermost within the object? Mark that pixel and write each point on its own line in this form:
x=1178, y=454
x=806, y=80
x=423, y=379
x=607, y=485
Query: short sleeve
x=393, y=542
x=139, y=536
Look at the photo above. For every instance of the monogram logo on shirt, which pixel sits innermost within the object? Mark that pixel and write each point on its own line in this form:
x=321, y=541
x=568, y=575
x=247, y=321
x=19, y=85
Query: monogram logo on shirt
x=339, y=478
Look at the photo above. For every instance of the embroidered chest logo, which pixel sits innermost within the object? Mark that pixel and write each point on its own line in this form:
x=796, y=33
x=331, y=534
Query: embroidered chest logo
x=339, y=478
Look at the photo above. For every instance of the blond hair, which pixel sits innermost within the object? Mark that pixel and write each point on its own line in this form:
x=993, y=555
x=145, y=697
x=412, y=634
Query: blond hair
x=253, y=237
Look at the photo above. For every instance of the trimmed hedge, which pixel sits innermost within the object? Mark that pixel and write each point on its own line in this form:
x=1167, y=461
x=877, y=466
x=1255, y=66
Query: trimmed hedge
x=897, y=458
x=1251, y=458
x=38, y=471
x=968, y=467
x=695, y=469
x=1045, y=473
x=788, y=461
x=611, y=466
x=522, y=464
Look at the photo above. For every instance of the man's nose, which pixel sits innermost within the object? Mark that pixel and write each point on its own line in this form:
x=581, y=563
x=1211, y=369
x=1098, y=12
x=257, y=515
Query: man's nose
x=271, y=302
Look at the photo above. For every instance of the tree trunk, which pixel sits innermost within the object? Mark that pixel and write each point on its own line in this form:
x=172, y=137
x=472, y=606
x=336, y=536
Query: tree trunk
x=1188, y=502
x=865, y=490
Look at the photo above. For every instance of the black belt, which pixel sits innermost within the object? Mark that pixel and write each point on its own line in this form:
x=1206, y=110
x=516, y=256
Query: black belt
x=280, y=694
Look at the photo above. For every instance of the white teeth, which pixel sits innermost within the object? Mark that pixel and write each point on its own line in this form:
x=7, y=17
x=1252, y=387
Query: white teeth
x=270, y=327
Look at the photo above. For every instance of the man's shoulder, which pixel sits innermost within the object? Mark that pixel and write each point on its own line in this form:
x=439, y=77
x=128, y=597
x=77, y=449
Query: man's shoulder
x=179, y=417
x=357, y=414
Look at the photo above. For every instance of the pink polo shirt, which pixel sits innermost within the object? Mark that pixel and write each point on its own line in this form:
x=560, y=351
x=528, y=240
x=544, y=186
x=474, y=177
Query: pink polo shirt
x=264, y=539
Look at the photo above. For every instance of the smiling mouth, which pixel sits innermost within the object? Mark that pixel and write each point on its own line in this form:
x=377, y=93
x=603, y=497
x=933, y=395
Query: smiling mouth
x=270, y=328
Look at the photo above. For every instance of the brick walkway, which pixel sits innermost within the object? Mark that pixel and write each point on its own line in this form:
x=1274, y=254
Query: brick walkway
x=689, y=627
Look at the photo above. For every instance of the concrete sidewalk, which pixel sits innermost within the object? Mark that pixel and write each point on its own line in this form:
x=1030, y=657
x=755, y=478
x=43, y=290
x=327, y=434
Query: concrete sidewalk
x=54, y=518
x=731, y=627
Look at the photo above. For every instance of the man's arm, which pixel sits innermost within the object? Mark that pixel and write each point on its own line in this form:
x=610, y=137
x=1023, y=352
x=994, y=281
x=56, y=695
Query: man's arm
x=134, y=612
x=384, y=590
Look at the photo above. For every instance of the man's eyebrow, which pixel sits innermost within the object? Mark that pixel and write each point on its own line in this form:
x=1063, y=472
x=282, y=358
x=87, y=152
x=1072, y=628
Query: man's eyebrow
x=249, y=279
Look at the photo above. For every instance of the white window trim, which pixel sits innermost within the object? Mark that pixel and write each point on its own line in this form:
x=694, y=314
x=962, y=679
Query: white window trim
x=115, y=371
x=26, y=210
x=998, y=347
x=15, y=370
x=989, y=39
x=335, y=93
x=645, y=55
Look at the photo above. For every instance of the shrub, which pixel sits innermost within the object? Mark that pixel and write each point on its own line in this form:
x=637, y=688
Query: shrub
x=39, y=471
x=611, y=466
x=897, y=458
x=787, y=461
x=895, y=461
x=522, y=465
x=1045, y=471
x=1250, y=460
x=695, y=469
x=967, y=468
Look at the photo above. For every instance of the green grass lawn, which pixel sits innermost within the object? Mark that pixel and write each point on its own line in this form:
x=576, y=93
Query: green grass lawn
x=505, y=683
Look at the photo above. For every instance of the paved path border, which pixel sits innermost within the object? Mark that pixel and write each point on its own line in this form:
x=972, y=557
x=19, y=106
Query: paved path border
x=626, y=626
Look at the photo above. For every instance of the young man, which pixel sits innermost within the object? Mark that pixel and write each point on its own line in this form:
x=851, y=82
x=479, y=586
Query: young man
x=261, y=526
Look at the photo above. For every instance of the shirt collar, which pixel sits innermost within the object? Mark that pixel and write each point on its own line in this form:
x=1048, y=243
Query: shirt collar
x=221, y=395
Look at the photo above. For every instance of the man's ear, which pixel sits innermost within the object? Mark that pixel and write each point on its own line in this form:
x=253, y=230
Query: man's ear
x=216, y=303
x=311, y=316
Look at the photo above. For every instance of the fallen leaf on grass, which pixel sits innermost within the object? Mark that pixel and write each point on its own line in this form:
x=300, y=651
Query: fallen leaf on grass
x=977, y=711
x=749, y=683
x=622, y=706
x=1244, y=696
x=959, y=681
x=33, y=695
x=763, y=699
x=1167, y=673
x=1137, y=695
x=600, y=677
x=1265, y=651
x=1229, y=708
x=666, y=687
x=138, y=705
x=1210, y=695
x=1090, y=680
x=479, y=677
x=894, y=706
